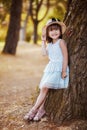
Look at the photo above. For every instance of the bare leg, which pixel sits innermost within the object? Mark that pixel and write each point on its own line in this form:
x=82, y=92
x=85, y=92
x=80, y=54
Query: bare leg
x=42, y=105
x=41, y=98
x=41, y=111
x=39, y=102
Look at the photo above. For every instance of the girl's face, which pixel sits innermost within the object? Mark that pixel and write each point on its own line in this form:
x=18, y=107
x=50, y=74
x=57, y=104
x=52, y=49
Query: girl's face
x=54, y=34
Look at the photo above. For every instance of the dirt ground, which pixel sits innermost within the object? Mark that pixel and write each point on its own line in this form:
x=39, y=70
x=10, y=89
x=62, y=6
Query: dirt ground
x=19, y=79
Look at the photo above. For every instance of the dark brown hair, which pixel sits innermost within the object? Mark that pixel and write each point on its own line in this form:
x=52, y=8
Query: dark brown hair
x=52, y=27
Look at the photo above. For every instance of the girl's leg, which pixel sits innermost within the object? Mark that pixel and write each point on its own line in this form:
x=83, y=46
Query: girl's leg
x=41, y=98
x=42, y=105
x=41, y=112
x=39, y=101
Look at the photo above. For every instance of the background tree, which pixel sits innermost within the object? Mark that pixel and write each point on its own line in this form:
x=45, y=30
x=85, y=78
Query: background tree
x=36, y=6
x=14, y=27
x=63, y=105
x=24, y=26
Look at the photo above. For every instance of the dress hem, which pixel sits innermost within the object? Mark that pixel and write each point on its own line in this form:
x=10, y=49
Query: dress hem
x=50, y=86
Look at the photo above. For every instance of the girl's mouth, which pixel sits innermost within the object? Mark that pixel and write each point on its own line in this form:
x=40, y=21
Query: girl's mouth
x=55, y=35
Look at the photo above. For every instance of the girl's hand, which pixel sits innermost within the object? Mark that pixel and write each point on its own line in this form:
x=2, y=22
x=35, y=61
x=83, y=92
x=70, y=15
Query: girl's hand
x=64, y=75
x=43, y=37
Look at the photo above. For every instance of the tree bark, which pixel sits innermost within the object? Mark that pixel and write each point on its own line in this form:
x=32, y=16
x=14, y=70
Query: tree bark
x=35, y=32
x=14, y=27
x=65, y=105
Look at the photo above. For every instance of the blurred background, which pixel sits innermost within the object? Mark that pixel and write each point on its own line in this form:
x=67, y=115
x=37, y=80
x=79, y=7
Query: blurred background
x=34, y=14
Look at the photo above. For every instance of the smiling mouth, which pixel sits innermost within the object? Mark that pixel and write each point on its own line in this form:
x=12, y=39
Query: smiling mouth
x=55, y=35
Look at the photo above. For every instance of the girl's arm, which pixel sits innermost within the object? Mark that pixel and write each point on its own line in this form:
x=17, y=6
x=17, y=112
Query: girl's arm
x=65, y=58
x=44, y=48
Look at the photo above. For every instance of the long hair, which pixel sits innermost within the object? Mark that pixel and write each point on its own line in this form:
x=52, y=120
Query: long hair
x=50, y=28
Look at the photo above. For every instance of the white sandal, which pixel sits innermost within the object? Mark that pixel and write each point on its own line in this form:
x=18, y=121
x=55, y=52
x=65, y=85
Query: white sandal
x=30, y=115
x=39, y=115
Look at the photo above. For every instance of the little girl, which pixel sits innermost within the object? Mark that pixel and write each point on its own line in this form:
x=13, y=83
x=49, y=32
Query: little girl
x=56, y=73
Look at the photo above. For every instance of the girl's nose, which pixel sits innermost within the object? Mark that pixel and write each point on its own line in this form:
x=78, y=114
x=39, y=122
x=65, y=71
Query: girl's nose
x=54, y=30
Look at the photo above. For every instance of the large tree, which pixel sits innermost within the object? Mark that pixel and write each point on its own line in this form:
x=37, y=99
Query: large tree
x=14, y=27
x=63, y=105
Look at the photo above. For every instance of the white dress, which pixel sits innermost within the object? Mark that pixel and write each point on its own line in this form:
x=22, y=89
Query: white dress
x=52, y=73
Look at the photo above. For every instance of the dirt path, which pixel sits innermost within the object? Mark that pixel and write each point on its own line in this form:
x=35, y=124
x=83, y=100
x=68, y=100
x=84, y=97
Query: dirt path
x=19, y=79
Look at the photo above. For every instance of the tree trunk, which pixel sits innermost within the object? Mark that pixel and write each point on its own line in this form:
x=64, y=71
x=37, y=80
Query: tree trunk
x=35, y=32
x=14, y=27
x=23, y=30
x=63, y=105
